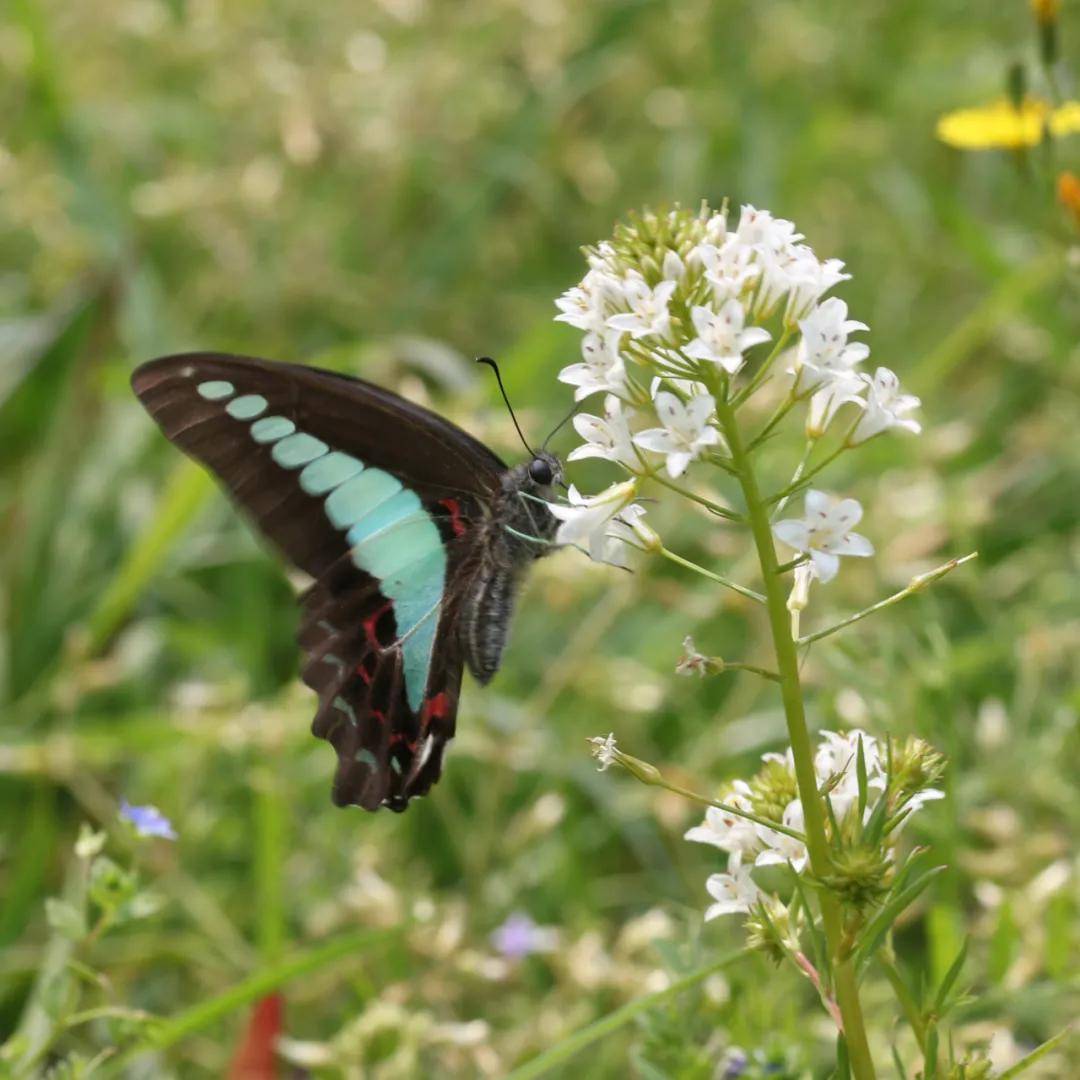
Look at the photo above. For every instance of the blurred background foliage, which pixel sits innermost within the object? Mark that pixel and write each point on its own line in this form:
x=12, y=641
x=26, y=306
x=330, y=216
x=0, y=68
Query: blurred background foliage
x=389, y=189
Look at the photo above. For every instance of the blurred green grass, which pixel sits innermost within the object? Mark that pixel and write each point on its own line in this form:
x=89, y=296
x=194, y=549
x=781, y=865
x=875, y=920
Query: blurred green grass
x=391, y=191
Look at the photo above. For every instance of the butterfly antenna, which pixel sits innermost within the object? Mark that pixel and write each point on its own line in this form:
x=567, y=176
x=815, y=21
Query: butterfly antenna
x=555, y=429
x=502, y=389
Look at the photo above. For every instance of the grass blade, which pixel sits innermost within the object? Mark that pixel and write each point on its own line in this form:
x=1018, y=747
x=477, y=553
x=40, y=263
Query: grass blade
x=561, y=1052
x=1025, y=1063
x=171, y=1031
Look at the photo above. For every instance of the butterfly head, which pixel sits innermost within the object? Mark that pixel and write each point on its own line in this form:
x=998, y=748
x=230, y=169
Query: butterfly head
x=543, y=473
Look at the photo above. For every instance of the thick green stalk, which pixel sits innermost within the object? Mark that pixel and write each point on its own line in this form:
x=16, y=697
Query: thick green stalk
x=787, y=666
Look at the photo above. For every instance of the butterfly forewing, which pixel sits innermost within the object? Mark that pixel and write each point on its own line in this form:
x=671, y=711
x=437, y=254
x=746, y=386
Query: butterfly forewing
x=378, y=500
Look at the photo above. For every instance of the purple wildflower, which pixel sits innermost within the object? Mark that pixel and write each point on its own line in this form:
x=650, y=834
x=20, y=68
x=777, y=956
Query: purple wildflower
x=147, y=820
x=520, y=936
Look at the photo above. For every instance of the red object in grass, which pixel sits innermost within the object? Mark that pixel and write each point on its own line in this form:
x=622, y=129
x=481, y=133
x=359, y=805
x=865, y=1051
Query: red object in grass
x=255, y=1058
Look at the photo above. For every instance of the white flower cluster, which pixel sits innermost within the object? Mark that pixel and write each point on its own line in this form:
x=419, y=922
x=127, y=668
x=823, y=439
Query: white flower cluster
x=672, y=308
x=750, y=845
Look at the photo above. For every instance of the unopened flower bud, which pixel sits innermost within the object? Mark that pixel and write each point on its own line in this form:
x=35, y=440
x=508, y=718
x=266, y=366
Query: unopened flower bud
x=859, y=875
x=646, y=773
x=916, y=766
x=769, y=929
x=799, y=596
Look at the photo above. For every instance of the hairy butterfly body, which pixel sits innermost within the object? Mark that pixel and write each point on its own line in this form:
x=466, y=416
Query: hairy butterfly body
x=415, y=534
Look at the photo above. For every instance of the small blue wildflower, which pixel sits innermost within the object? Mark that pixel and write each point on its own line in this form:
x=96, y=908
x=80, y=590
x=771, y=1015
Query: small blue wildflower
x=734, y=1064
x=147, y=820
x=519, y=937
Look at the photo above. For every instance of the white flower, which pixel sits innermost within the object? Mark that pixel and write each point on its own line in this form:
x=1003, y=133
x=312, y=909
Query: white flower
x=648, y=314
x=824, y=533
x=779, y=847
x=840, y=389
x=885, y=407
x=628, y=529
x=726, y=831
x=810, y=279
x=691, y=662
x=798, y=273
x=733, y=893
x=728, y=268
x=587, y=305
x=824, y=352
x=721, y=337
x=585, y=520
x=686, y=431
x=837, y=756
x=758, y=228
x=601, y=368
x=606, y=437
x=604, y=750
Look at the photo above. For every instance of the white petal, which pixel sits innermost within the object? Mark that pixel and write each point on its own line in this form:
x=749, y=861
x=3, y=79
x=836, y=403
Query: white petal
x=793, y=533
x=677, y=463
x=852, y=544
x=702, y=834
x=659, y=439
x=825, y=564
x=703, y=319
x=699, y=409
x=846, y=514
x=699, y=350
x=627, y=322
x=818, y=503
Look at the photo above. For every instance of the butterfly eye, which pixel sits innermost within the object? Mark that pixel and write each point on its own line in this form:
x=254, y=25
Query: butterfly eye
x=541, y=472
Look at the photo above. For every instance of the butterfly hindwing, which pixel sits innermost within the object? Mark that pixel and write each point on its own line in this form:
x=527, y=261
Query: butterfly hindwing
x=376, y=499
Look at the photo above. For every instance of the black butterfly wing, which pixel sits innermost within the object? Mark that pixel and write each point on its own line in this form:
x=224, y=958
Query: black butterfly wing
x=379, y=500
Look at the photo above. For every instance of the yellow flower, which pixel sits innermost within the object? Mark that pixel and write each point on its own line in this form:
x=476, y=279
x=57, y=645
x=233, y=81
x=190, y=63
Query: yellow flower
x=1046, y=11
x=1003, y=125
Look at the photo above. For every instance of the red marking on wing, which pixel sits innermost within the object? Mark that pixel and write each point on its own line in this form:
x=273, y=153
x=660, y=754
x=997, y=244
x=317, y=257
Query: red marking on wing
x=371, y=624
x=401, y=737
x=455, y=515
x=381, y=717
x=436, y=708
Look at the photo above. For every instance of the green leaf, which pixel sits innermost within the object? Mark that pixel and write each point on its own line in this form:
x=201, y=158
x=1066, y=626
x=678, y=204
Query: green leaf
x=950, y=978
x=879, y=925
x=1025, y=1063
x=898, y=1064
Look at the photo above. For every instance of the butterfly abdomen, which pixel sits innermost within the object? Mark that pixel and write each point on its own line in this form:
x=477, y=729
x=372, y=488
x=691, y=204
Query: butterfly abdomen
x=518, y=532
x=486, y=618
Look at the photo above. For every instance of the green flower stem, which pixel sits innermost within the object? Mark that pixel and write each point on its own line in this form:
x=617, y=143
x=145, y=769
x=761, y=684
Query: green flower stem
x=802, y=478
x=651, y=775
x=720, y=666
x=916, y=584
x=742, y=590
x=716, y=508
x=787, y=666
x=763, y=371
x=779, y=413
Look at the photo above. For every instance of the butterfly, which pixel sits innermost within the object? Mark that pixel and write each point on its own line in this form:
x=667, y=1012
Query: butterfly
x=416, y=536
